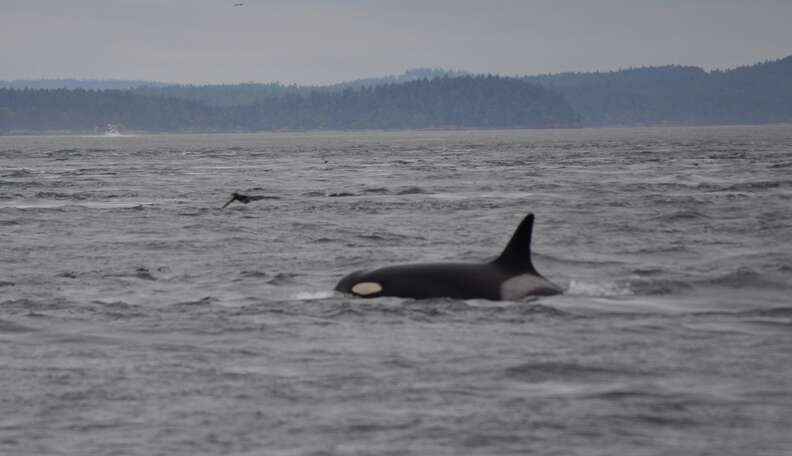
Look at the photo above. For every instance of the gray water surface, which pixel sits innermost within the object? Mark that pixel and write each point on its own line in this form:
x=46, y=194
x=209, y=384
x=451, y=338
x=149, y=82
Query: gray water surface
x=138, y=318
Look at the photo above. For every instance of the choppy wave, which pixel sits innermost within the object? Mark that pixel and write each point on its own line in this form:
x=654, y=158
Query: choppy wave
x=129, y=299
x=745, y=278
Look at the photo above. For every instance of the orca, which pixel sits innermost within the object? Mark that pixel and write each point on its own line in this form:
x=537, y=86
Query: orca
x=509, y=277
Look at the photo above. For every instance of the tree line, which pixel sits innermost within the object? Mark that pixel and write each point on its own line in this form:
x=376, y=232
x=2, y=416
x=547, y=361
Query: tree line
x=225, y=95
x=422, y=98
x=683, y=95
x=467, y=101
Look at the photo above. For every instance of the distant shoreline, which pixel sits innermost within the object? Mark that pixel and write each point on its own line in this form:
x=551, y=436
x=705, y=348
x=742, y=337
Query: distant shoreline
x=667, y=96
x=132, y=134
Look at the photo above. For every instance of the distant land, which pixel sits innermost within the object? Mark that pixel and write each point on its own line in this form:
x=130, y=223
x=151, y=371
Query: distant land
x=93, y=84
x=458, y=102
x=226, y=95
x=419, y=98
x=678, y=95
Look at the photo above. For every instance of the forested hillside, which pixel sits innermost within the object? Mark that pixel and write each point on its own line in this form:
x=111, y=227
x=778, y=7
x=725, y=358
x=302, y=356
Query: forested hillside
x=760, y=93
x=226, y=95
x=423, y=98
x=82, y=110
x=471, y=102
x=476, y=102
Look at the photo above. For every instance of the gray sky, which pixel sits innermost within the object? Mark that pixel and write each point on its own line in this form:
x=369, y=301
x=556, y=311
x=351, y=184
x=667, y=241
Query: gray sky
x=312, y=41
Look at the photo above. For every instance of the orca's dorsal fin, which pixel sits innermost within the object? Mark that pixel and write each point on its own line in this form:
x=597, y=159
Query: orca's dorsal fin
x=517, y=254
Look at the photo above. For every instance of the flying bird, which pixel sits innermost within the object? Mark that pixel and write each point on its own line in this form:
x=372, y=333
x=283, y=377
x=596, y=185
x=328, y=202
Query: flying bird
x=239, y=4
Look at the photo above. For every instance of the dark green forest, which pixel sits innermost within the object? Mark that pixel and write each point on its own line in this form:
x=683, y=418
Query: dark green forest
x=679, y=95
x=85, y=110
x=422, y=98
x=226, y=95
x=468, y=101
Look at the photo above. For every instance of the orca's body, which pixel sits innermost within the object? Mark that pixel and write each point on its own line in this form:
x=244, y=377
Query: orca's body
x=509, y=277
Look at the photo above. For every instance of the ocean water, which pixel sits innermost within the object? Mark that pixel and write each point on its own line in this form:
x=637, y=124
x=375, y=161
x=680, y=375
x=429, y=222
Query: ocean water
x=139, y=318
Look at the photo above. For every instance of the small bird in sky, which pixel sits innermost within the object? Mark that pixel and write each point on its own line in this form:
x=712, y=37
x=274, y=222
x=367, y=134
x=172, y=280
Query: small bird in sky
x=239, y=4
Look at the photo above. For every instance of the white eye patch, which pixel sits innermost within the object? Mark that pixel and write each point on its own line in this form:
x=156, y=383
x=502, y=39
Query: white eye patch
x=366, y=288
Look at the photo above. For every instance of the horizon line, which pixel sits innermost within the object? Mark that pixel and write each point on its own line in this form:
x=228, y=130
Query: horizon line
x=404, y=72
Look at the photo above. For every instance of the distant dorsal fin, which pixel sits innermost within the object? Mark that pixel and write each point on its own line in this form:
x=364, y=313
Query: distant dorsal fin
x=517, y=254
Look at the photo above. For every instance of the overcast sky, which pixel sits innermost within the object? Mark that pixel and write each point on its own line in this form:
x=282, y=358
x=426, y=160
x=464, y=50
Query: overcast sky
x=305, y=41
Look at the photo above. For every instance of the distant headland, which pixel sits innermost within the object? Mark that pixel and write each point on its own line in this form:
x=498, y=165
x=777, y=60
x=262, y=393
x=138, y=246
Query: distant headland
x=421, y=98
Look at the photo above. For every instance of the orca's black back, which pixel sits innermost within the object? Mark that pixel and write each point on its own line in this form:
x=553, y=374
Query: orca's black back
x=433, y=280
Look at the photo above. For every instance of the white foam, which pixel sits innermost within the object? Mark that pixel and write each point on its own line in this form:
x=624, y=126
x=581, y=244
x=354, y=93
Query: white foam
x=582, y=288
x=312, y=295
